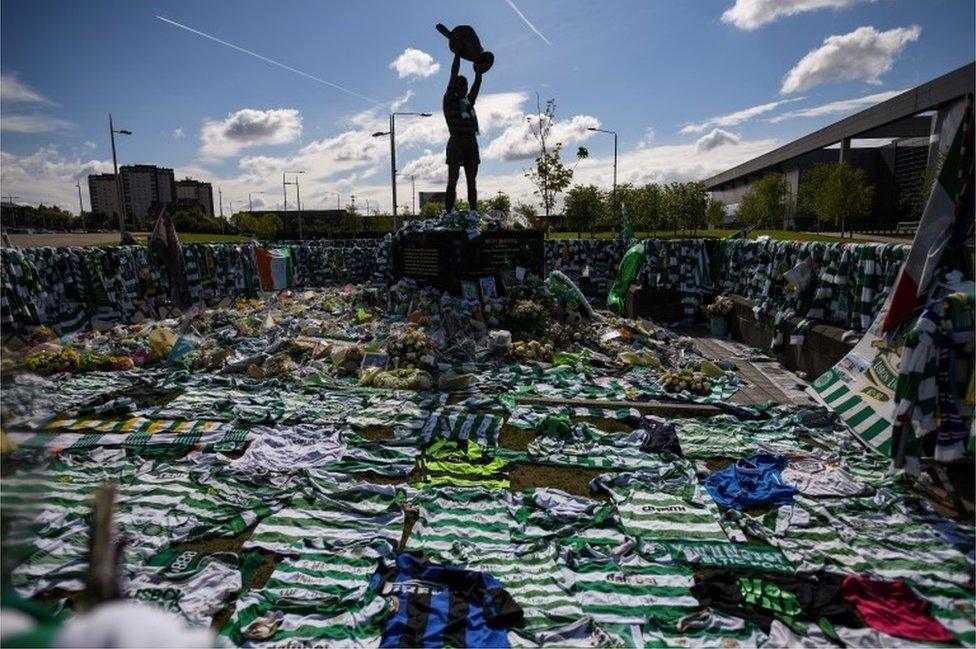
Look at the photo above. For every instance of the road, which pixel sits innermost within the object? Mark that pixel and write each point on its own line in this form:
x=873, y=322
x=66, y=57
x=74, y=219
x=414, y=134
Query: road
x=68, y=239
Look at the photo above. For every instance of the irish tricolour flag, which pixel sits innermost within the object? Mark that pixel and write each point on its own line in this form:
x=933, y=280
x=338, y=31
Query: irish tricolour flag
x=950, y=200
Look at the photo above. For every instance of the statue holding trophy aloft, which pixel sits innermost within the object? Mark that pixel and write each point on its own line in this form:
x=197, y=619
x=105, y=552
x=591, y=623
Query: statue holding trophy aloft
x=459, y=113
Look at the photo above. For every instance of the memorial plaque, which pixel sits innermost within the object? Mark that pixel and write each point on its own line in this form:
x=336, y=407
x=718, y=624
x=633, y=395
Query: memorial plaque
x=446, y=258
x=421, y=262
x=503, y=251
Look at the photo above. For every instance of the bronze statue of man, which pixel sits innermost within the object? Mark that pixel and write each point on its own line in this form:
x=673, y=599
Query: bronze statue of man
x=459, y=113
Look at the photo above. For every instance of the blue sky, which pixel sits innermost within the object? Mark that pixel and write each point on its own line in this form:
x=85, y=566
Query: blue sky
x=691, y=87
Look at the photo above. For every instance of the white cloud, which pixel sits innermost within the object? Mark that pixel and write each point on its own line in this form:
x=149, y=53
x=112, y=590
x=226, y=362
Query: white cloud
x=353, y=162
x=834, y=107
x=369, y=179
x=865, y=53
x=249, y=127
x=750, y=14
x=659, y=164
x=178, y=133
x=715, y=139
x=13, y=90
x=519, y=142
x=429, y=167
x=495, y=110
x=735, y=118
x=46, y=176
x=649, y=134
x=402, y=100
x=88, y=145
x=32, y=123
x=350, y=146
x=500, y=109
x=415, y=63
x=378, y=116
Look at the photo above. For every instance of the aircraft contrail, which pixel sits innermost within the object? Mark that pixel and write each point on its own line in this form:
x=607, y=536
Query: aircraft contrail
x=273, y=62
x=526, y=21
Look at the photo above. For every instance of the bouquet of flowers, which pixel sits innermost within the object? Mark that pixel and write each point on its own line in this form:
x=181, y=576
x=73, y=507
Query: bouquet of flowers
x=686, y=380
x=722, y=306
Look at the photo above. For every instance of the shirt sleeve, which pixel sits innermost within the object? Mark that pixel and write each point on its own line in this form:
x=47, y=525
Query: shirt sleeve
x=501, y=609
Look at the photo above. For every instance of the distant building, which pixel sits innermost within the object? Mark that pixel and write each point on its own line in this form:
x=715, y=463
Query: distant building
x=195, y=190
x=142, y=185
x=13, y=215
x=104, y=194
x=890, y=141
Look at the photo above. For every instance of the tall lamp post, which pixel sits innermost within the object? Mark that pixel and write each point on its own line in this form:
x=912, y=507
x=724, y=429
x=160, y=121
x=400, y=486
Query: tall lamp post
x=220, y=200
x=614, y=134
x=250, y=203
x=81, y=206
x=10, y=199
x=115, y=167
x=338, y=198
x=393, y=173
x=413, y=196
x=298, y=201
x=284, y=196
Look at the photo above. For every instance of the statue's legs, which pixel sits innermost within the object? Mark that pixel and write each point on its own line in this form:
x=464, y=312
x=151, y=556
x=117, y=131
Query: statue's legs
x=450, y=196
x=470, y=179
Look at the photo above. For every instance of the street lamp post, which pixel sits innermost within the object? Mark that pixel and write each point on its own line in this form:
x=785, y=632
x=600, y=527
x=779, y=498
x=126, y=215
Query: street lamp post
x=298, y=200
x=338, y=198
x=393, y=172
x=614, y=134
x=413, y=196
x=250, y=204
x=220, y=200
x=284, y=195
x=115, y=167
x=81, y=206
x=10, y=199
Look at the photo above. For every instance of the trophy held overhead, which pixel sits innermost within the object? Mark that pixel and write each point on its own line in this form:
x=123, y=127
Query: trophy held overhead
x=465, y=43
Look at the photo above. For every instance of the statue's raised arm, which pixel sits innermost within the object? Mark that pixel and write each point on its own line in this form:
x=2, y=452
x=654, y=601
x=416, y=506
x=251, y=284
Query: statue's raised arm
x=459, y=112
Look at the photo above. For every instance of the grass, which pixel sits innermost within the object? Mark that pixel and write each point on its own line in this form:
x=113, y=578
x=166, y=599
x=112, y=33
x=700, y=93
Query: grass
x=194, y=237
x=785, y=235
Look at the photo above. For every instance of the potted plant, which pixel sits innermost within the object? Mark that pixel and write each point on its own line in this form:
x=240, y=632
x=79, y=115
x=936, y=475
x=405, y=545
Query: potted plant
x=718, y=313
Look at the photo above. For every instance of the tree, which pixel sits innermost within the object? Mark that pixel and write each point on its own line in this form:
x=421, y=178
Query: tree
x=714, y=213
x=767, y=201
x=914, y=194
x=837, y=194
x=550, y=176
x=500, y=202
x=191, y=218
x=528, y=211
x=585, y=206
x=643, y=204
x=263, y=226
x=431, y=210
x=684, y=205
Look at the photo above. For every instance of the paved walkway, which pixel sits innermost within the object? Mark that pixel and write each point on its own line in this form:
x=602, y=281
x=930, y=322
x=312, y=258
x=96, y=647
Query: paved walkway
x=768, y=380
